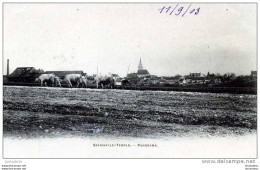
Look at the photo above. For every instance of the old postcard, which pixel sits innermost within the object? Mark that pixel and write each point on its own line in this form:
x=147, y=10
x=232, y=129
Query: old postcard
x=130, y=80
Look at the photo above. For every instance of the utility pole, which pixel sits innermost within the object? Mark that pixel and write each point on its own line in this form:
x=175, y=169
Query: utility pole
x=97, y=77
x=7, y=67
x=127, y=70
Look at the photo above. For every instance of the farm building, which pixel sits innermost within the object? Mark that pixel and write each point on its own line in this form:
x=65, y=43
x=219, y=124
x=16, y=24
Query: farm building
x=172, y=80
x=24, y=74
x=195, y=74
x=132, y=77
x=62, y=74
x=193, y=78
x=5, y=79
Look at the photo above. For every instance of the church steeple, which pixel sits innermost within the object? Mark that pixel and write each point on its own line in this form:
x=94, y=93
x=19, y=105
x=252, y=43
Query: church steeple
x=140, y=66
x=141, y=72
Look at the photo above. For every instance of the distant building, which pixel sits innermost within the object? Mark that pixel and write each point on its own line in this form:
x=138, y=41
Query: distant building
x=212, y=79
x=24, y=74
x=195, y=74
x=172, y=80
x=254, y=77
x=253, y=73
x=141, y=72
x=5, y=79
x=132, y=77
x=117, y=80
x=115, y=76
x=193, y=78
x=154, y=80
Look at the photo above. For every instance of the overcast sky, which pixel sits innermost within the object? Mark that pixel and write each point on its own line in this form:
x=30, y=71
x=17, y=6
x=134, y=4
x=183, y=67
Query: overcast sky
x=220, y=39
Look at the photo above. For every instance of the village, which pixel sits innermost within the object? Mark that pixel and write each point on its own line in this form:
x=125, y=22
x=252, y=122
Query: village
x=142, y=79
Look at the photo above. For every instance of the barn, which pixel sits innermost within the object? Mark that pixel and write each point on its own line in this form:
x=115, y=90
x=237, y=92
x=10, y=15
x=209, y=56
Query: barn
x=24, y=74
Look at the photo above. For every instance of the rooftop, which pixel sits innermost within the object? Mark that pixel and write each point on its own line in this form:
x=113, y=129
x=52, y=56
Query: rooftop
x=24, y=72
x=142, y=72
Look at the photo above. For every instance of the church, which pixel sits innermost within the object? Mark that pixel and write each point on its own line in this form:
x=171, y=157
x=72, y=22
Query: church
x=141, y=72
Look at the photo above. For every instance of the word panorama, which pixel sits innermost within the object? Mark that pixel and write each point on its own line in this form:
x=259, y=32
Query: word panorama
x=179, y=10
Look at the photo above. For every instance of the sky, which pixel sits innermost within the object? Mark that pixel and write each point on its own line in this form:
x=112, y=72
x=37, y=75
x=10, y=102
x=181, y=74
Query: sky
x=113, y=37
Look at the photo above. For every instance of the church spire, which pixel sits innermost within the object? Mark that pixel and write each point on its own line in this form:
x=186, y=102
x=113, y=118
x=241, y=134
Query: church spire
x=140, y=66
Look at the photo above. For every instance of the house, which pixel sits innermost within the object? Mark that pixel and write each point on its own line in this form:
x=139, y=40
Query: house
x=132, y=75
x=192, y=79
x=212, y=79
x=144, y=82
x=117, y=80
x=195, y=74
x=24, y=74
x=172, y=80
x=142, y=73
x=132, y=78
x=198, y=80
x=186, y=80
x=254, y=77
x=154, y=80
x=254, y=74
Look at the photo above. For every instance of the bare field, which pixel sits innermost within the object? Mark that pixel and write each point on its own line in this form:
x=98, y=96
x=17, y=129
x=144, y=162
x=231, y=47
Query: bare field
x=58, y=112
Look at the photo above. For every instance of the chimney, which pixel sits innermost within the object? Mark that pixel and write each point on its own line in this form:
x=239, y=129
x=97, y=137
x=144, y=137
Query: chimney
x=7, y=67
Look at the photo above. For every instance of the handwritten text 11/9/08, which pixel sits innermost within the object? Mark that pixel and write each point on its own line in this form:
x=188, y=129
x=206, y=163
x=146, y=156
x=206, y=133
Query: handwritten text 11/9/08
x=176, y=10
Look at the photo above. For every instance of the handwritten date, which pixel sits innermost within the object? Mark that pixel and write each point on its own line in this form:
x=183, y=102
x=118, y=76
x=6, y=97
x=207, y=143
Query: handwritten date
x=179, y=10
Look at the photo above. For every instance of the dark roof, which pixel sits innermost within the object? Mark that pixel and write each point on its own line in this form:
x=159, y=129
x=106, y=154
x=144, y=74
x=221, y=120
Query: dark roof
x=155, y=78
x=195, y=74
x=64, y=73
x=24, y=72
x=198, y=78
x=171, y=78
x=131, y=74
x=142, y=72
x=194, y=78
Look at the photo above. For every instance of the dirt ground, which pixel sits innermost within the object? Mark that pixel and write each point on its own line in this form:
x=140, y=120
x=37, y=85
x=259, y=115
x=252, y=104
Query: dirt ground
x=32, y=112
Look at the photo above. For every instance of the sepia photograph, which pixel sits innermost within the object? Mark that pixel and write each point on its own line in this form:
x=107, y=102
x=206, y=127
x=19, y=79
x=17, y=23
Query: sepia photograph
x=129, y=80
